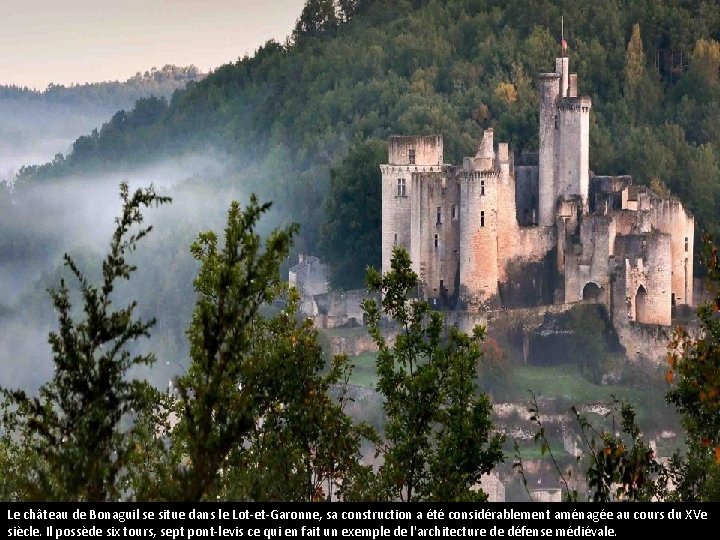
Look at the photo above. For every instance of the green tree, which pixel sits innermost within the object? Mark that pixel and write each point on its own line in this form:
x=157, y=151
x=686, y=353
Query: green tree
x=76, y=428
x=302, y=447
x=15, y=463
x=217, y=407
x=642, y=93
x=261, y=415
x=350, y=236
x=621, y=466
x=439, y=437
x=694, y=367
x=318, y=17
x=634, y=60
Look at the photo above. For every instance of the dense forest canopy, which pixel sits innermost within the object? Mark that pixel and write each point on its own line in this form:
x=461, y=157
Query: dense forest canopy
x=354, y=70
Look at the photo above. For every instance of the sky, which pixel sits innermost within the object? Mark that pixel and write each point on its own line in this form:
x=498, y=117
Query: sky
x=78, y=41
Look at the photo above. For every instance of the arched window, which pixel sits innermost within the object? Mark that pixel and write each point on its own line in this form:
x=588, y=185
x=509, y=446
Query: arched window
x=641, y=305
x=592, y=292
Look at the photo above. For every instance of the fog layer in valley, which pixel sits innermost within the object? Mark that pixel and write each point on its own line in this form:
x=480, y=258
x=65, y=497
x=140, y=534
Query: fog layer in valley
x=32, y=133
x=39, y=221
x=35, y=126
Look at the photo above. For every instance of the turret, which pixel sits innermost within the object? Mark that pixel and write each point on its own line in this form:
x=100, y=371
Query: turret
x=479, y=223
x=564, y=137
x=549, y=92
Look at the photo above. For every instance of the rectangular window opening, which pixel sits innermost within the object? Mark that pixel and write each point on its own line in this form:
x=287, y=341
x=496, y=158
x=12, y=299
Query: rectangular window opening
x=436, y=240
x=686, y=243
x=439, y=216
x=482, y=187
x=411, y=156
x=482, y=218
x=453, y=212
x=401, y=187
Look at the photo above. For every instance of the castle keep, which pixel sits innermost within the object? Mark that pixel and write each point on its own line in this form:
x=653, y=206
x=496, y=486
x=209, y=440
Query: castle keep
x=540, y=229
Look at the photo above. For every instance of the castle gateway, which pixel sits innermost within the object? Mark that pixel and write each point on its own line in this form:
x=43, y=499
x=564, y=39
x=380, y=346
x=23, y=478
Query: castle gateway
x=541, y=229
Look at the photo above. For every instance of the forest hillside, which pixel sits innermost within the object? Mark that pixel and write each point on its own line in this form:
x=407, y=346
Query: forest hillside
x=365, y=69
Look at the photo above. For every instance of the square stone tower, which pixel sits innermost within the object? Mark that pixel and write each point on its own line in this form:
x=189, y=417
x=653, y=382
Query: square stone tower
x=420, y=210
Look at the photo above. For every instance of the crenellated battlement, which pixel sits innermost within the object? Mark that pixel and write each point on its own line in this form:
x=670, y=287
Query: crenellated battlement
x=474, y=175
x=577, y=104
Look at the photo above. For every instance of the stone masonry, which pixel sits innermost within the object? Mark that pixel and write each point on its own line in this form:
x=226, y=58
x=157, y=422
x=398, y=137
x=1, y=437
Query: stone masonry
x=496, y=232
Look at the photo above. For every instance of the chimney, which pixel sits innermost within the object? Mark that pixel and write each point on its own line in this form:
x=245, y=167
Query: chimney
x=561, y=68
x=486, y=152
x=503, y=152
x=573, y=90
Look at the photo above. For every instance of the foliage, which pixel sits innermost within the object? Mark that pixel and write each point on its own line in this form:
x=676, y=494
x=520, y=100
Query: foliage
x=260, y=414
x=450, y=67
x=318, y=17
x=350, y=236
x=302, y=447
x=74, y=429
x=694, y=368
x=15, y=462
x=635, y=63
x=438, y=438
x=233, y=283
x=619, y=466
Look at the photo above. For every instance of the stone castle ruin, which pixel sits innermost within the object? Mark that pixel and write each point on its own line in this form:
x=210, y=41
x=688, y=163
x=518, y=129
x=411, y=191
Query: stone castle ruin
x=506, y=232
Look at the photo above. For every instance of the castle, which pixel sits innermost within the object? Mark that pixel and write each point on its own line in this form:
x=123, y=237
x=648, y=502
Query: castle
x=501, y=232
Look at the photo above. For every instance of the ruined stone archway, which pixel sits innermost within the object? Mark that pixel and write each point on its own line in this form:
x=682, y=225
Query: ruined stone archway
x=641, y=304
x=592, y=292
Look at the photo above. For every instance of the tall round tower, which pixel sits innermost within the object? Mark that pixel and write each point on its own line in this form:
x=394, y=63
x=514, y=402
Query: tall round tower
x=549, y=93
x=478, y=236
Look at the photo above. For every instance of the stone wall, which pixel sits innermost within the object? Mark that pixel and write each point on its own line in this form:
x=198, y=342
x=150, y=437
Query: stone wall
x=644, y=342
x=434, y=233
x=587, y=259
x=573, y=150
x=670, y=217
x=478, y=236
x=395, y=211
x=643, y=279
x=354, y=345
x=511, y=328
x=428, y=150
x=309, y=277
x=335, y=309
x=549, y=92
x=397, y=189
x=494, y=248
x=529, y=282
